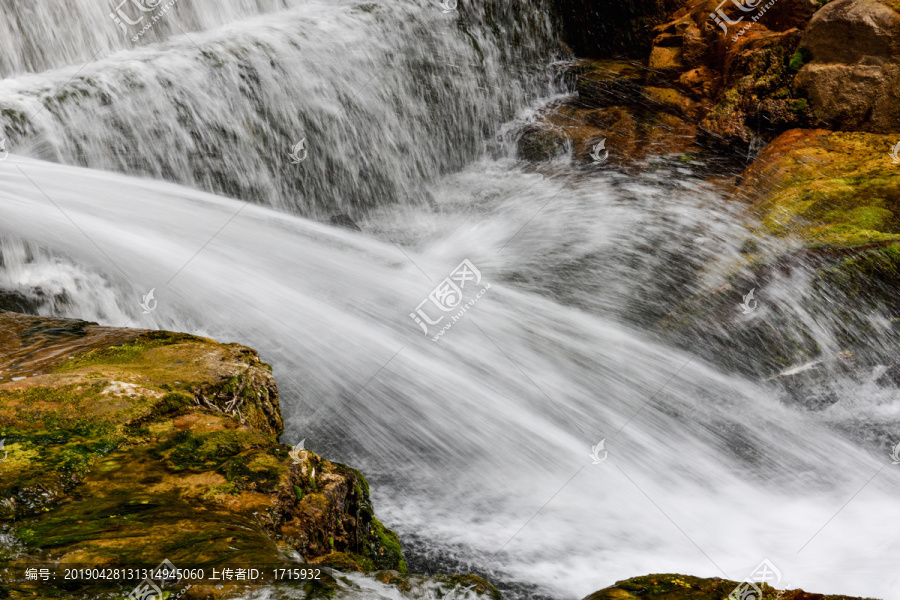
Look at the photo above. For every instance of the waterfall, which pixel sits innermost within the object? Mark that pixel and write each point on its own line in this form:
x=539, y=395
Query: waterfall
x=465, y=439
x=174, y=163
x=40, y=36
x=384, y=96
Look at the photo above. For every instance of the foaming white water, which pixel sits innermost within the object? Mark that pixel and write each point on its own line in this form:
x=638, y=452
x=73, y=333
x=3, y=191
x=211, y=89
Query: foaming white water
x=356, y=586
x=53, y=286
x=387, y=96
x=467, y=439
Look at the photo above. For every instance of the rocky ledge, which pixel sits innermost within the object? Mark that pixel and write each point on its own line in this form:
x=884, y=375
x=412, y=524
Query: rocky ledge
x=127, y=447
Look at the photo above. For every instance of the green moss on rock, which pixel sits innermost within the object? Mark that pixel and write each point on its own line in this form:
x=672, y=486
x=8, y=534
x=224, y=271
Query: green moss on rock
x=670, y=586
x=127, y=446
x=829, y=189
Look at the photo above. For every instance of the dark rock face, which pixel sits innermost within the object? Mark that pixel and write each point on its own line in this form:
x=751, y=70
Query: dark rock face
x=854, y=77
x=610, y=28
x=16, y=302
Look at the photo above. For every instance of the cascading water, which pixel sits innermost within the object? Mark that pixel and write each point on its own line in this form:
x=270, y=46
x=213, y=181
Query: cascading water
x=386, y=97
x=463, y=446
x=477, y=446
x=40, y=36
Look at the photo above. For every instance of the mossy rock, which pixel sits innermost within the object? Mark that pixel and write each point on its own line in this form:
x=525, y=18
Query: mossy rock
x=757, y=100
x=836, y=198
x=670, y=586
x=829, y=189
x=125, y=447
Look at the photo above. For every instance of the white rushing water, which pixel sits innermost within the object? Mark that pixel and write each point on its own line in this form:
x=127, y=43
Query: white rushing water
x=37, y=36
x=477, y=445
x=466, y=439
x=385, y=96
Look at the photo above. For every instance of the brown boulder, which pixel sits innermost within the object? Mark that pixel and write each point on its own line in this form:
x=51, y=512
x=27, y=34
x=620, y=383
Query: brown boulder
x=852, y=31
x=673, y=102
x=854, y=75
x=665, y=59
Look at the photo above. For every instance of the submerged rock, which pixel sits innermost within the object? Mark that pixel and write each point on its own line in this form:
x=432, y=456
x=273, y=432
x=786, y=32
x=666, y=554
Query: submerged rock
x=128, y=447
x=613, y=118
x=344, y=220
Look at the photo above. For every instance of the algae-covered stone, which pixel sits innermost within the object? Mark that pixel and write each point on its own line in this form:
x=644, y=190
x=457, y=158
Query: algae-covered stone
x=829, y=189
x=685, y=587
x=127, y=447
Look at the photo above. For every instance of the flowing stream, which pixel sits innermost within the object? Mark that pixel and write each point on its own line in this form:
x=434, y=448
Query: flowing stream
x=166, y=167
